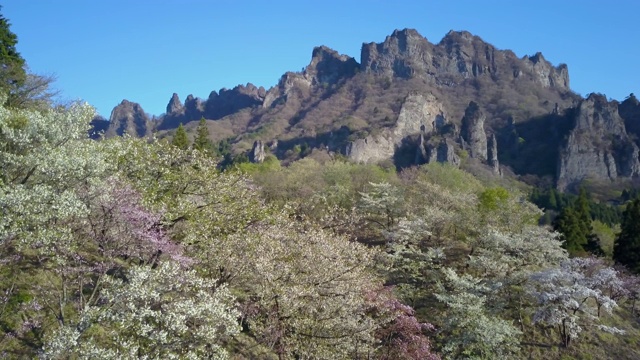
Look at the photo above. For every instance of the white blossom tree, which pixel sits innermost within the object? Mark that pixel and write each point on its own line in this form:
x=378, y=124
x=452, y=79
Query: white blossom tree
x=469, y=330
x=570, y=298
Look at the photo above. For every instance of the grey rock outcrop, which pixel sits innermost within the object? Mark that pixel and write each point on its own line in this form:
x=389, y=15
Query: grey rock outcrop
x=257, y=154
x=422, y=154
x=326, y=68
x=472, y=132
x=403, y=54
x=174, y=107
x=598, y=146
x=546, y=74
x=193, y=108
x=629, y=110
x=443, y=152
x=492, y=154
x=289, y=83
x=418, y=115
x=227, y=102
x=128, y=117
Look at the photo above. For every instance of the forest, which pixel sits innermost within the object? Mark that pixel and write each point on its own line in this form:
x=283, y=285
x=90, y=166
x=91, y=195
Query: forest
x=145, y=248
x=129, y=248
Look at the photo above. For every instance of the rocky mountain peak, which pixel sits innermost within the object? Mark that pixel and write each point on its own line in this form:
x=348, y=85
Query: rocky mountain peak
x=459, y=38
x=128, y=117
x=327, y=66
x=536, y=58
x=402, y=54
x=174, y=106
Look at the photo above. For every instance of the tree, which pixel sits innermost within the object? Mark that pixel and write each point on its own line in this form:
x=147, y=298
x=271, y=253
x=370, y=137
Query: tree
x=568, y=223
x=12, y=64
x=382, y=205
x=626, y=248
x=553, y=202
x=470, y=330
x=150, y=314
x=87, y=270
x=302, y=288
x=202, y=141
x=180, y=139
x=563, y=296
x=35, y=92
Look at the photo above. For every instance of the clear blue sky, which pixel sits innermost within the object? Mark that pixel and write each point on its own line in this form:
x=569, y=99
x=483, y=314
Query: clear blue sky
x=103, y=51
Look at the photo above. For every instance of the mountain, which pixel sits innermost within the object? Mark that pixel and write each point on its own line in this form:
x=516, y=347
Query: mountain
x=128, y=117
x=411, y=101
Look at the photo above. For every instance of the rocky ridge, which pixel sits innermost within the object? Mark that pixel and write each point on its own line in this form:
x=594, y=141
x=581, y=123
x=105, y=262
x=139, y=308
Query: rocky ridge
x=427, y=101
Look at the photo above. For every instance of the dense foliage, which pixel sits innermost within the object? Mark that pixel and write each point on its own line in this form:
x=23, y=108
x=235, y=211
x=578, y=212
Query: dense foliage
x=123, y=248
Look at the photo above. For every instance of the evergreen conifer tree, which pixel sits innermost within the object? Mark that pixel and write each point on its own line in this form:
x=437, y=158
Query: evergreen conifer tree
x=569, y=224
x=201, y=141
x=553, y=202
x=180, y=139
x=12, y=72
x=626, y=249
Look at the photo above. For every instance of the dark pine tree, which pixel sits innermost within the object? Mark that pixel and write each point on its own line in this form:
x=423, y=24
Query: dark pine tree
x=201, y=141
x=583, y=210
x=12, y=72
x=568, y=223
x=626, y=249
x=180, y=139
x=552, y=202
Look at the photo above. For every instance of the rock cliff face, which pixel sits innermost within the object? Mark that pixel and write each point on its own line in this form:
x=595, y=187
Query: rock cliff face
x=460, y=55
x=128, y=117
x=546, y=74
x=598, y=146
x=419, y=113
x=474, y=139
x=629, y=110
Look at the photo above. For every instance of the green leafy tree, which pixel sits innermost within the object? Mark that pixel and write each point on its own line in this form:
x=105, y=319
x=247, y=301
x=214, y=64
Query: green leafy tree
x=180, y=139
x=202, y=141
x=626, y=249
